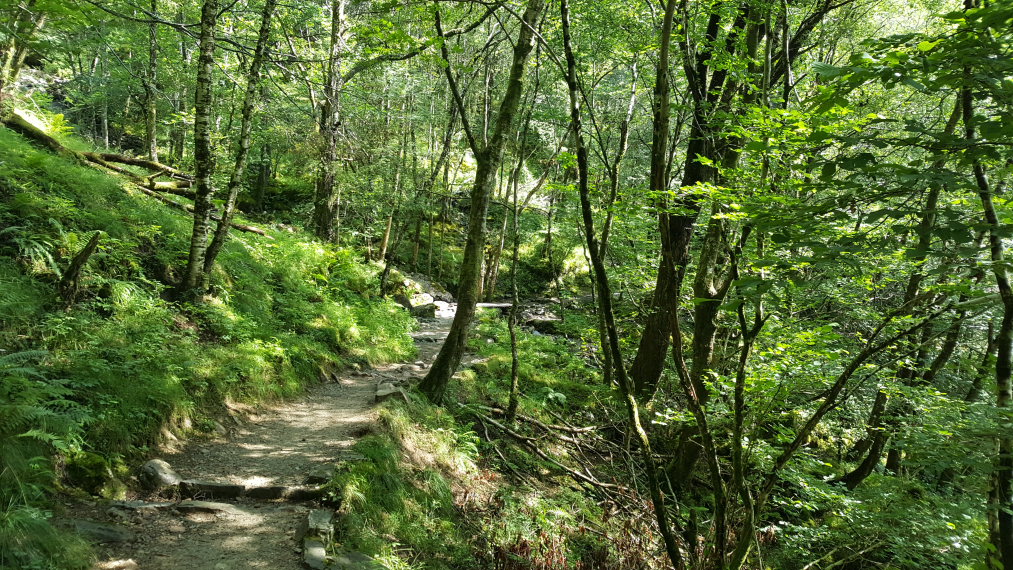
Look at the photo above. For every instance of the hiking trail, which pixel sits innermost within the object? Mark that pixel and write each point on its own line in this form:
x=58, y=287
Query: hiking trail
x=277, y=450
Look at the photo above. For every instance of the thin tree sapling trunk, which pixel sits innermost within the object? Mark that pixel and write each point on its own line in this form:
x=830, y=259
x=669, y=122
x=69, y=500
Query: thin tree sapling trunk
x=245, y=131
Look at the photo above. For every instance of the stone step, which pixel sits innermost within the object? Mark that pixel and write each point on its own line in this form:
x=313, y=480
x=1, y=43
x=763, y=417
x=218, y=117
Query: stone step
x=316, y=533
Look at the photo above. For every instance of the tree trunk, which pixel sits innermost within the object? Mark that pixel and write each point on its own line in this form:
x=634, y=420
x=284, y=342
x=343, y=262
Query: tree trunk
x=488, y=157
x=71, y=277
x=676, y=231
x=515, y=363
x=881, y=431
x=150, y=90
x=1001, y=497
x=202, y=151
x=245, y=130
x=605, y=297
x=25, y=25
x=263, y=178
x=325, y=201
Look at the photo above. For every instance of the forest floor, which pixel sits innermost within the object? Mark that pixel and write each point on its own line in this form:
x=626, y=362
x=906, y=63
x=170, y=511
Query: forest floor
x=277, y=445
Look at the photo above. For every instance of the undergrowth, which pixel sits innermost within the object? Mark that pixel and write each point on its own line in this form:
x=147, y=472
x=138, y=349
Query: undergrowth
x=426, y=496
x=554, y=376
x=441, y=489
x=122, y=364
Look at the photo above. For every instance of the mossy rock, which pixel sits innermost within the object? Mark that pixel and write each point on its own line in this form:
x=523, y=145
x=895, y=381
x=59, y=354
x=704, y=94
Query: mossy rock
x=114, y=490
x=89, y=471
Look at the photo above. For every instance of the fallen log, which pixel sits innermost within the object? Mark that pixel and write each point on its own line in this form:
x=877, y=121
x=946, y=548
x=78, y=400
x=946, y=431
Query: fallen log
x=25, y=128
x=17, y=123
x=178, y=187
x=152, y=165
x=189, y=208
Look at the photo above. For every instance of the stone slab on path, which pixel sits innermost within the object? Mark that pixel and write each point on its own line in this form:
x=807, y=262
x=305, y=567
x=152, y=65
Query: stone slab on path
x=102, y=532
x=210, y=489
x=206, y=507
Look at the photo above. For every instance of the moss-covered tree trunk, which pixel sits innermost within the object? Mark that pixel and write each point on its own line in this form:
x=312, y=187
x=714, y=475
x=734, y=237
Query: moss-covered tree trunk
x=246, y=127
x=151, y=91
x=325, y=200
x=202, y=151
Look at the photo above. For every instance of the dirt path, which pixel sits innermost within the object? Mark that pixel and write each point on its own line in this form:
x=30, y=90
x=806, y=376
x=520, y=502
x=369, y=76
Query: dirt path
x=279, y=445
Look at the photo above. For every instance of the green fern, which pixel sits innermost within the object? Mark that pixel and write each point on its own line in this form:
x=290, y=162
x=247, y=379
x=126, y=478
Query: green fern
x=36, y=250
x=36, y=418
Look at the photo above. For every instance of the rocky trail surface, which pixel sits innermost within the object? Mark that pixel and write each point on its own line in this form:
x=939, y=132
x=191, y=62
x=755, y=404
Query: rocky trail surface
x=246, y=499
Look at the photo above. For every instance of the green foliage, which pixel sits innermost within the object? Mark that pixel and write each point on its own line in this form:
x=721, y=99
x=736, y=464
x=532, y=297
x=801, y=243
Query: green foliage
x=37, y=417
x=552, y=374
x=123, y=364
x=887, y=521
x=405, y=489
x=282, y=306
x=424, y=499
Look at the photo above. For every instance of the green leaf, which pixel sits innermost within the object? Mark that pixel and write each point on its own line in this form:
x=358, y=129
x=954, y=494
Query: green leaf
x=827, y=71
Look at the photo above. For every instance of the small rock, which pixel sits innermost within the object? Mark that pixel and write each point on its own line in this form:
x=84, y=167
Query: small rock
x=210, y=489
x=103, y=533
x=384, y=385
x=392, y=392
x=422, y=299
x=318, y=475
x=219, y=429
x=320, y=521
x=318, y=524
x=156, y=474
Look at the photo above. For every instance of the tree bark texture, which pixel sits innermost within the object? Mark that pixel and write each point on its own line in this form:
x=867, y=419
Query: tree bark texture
x=605, y=300
x=202, y=151
x=325, y=202
x=151, y=90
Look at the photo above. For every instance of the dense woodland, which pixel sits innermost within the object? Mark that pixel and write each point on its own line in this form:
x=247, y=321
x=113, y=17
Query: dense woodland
x=775, y=235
